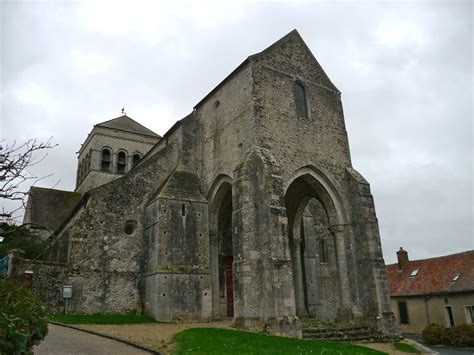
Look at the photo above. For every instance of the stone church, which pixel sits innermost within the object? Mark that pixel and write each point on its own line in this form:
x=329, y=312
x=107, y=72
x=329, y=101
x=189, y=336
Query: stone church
x=247, y=208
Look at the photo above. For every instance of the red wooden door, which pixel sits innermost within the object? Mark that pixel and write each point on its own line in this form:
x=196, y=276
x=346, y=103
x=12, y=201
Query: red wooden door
x=229, y=286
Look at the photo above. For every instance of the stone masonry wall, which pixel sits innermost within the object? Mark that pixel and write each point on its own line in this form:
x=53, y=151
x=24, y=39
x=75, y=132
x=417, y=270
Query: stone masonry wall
x=46, y=281
x=106, y=260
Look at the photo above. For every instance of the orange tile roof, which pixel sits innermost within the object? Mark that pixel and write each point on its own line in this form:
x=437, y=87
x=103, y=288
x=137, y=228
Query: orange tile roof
x=435, y=275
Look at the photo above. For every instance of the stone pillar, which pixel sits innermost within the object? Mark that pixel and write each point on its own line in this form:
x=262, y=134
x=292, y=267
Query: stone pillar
x=298, y=278
x=338, y=231
x=214, y=269
x=14, y=261
x=264, y=297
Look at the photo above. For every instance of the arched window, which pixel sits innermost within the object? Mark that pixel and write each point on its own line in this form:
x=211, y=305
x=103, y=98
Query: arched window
x=79, y=172
x=121, y=162
x=136, y=158
x=105, y=160
x=300, y=101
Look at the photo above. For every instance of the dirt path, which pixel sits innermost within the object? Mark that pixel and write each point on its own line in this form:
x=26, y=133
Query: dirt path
x=156, y=336
x=65, y=341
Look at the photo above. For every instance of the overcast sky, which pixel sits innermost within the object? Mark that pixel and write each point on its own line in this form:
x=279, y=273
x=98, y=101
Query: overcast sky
x=404, y=69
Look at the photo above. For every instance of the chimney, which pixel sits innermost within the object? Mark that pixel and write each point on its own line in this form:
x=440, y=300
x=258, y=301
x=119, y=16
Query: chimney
x=402, y=256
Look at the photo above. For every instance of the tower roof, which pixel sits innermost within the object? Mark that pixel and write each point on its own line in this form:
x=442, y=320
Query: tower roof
x=125, y=123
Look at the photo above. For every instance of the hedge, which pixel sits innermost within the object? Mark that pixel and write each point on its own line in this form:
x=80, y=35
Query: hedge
x=460, y=335
x=23, y=321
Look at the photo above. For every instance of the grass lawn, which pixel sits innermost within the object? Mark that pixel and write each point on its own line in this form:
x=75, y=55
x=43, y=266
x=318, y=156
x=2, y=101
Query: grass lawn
x=223, y=341
x=405, y=347
x=101, y=319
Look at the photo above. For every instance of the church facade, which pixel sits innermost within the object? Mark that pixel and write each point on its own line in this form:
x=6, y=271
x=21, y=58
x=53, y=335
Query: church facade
x=248, y=208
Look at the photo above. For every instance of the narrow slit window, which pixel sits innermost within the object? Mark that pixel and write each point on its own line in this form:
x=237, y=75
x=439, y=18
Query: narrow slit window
x=105, y=160
x=323, y=252
x=300, y=101
x=217, y=111
x=121, y=163
x=183, y=210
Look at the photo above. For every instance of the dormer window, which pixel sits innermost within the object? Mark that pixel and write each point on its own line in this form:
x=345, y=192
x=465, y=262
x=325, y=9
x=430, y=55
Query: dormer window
x=105, y=160
x=414, y=272
x=121, y=162
x=300, y=100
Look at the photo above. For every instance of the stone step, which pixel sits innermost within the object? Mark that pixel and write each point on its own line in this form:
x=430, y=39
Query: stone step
x=330, y=333
x=346, y=335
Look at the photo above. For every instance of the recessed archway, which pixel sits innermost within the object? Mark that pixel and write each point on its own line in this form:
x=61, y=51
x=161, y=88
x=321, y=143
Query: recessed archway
x=221, y=247
x=318, y=258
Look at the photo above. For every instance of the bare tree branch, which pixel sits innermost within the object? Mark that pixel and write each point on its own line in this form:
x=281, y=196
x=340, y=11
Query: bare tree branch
x=15, y=161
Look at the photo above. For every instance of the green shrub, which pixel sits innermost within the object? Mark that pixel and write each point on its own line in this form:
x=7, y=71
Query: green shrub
x=460, y=335
x=434, y=334
x=18, y=237
x=23, y=321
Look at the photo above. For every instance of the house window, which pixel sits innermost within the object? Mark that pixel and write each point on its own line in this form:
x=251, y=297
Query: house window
x=323, y=252
x=300, y=100
x=469, y=310
x=449, y=316
x=105, y=160
x=121, y=162
x=403, y=312
x=414, y=272
x=136, y=158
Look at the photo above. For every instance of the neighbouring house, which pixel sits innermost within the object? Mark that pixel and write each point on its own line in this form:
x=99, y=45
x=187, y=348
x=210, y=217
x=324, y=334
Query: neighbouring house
x=436, y=290
x=247, y=208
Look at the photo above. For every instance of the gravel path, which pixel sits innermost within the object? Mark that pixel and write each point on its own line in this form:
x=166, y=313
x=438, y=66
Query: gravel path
x=65, y=341
x=151, y=335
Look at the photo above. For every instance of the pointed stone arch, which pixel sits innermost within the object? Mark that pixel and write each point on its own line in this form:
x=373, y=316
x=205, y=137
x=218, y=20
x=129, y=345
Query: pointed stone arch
x=305, y=184
x=221, y=246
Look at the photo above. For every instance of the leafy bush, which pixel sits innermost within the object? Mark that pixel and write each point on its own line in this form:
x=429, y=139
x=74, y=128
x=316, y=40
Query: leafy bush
x=460, y=335
x=434, y=334
x=23, y=321
x=15, y=237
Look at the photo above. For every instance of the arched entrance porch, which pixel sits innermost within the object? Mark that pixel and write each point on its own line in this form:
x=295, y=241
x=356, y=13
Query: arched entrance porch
x=221, y=248
x=316, y=231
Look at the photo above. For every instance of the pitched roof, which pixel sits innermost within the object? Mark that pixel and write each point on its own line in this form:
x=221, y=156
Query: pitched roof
x=256, y=56
x=49, y=207
x=180, y=185
x=435, y=275
x=125, y=123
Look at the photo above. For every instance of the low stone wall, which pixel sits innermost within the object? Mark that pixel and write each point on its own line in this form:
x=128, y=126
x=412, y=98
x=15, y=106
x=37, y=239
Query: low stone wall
x=44, y=278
